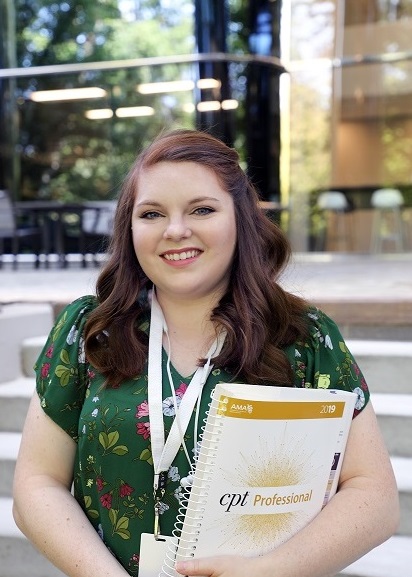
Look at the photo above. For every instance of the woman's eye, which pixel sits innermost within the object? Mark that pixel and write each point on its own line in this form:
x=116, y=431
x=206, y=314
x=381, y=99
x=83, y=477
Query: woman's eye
x=203, y=210
x=150, y=215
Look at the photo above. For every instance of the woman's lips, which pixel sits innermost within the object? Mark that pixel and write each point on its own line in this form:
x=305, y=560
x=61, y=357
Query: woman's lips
x=181, y=255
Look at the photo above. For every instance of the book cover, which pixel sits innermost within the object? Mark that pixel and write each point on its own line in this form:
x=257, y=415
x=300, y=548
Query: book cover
x=268, y=462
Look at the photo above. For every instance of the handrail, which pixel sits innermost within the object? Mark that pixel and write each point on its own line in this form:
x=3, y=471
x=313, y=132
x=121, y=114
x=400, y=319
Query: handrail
x=349, y=61
x=270, y=61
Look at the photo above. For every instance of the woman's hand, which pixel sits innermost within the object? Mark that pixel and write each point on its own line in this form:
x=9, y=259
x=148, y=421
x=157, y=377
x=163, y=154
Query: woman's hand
x=225, y=566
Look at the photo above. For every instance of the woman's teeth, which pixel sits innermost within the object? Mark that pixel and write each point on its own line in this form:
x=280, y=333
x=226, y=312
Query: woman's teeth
x=181, y=255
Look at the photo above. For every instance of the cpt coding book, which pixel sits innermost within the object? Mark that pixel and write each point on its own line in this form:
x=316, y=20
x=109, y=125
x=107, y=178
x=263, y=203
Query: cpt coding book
x=268, y=462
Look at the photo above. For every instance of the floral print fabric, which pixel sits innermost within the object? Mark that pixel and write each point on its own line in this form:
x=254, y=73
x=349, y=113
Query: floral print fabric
x=113, y=476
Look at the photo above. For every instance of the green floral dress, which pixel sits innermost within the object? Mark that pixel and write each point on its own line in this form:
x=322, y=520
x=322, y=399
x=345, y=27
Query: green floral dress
x=113, y=476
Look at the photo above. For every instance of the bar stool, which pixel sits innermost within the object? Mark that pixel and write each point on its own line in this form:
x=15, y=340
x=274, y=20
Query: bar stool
x=335, y=203
x=387, y=224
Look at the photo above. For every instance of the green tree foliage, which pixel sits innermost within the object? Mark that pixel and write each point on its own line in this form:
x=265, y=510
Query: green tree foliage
x=65, y=155
x=53, y=32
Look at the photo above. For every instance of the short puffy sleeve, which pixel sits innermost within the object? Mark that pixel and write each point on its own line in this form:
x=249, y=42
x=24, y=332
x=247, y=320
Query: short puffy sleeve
x=61, y=369
x=324, y=361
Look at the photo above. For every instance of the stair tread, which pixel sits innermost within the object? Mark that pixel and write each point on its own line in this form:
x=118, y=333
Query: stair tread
x=402, y=467
x=8, y=527
x=391, y=559
x=377, y=348
x=395, y=404
x=11, y=310
x=9, y=445
x=10, y=442
x=37, y=340
x=20, y=387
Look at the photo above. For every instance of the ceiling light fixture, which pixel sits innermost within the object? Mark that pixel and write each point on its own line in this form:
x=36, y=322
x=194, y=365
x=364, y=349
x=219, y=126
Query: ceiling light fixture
x=177, y=86
x=208, y=106
x=67, y=94
x=162, y=87
x=131, y=111
x=99, y=113
x=207, y=83
x=230, y=104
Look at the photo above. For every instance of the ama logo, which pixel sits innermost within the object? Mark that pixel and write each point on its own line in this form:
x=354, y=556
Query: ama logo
x=237, y=408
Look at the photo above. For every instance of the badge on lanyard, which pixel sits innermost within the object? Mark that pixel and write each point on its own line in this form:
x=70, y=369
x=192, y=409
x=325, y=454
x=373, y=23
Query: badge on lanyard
x=152, y=554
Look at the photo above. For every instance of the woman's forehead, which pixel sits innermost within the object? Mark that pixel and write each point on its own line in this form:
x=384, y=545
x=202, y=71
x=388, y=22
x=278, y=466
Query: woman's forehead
x=184, y=175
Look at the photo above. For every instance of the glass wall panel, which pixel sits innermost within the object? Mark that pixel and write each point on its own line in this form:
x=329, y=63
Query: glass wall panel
x=349, y=115
x=72, y=148
x=308, y=44
x=77, y=134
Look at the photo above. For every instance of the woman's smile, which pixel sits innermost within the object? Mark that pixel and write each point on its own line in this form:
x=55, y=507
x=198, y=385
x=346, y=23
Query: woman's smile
x=183, y=256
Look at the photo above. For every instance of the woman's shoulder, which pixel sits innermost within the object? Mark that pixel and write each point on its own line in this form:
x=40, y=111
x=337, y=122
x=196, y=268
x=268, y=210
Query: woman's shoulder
x=323, y=338
x=66, y=332
x=81, y=305
x=75, y=312
x=62, y=368
x=321, y=328
x=321, y=333
x=322, y=358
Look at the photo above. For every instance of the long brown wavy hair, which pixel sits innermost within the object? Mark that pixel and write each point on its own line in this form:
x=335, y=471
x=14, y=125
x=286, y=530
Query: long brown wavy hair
x=260, y=318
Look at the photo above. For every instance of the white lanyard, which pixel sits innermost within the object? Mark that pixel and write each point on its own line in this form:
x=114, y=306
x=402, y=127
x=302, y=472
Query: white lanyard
x=163, y=453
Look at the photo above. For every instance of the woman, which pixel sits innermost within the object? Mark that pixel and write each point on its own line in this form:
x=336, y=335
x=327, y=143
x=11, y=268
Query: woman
x=192, y=278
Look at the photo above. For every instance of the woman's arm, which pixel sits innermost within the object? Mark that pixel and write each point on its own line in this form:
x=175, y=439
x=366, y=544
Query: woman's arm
x=45, y=510
x=363, y=513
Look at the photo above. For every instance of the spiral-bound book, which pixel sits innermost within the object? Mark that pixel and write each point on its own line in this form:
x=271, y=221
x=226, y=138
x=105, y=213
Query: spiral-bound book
x=269, y=461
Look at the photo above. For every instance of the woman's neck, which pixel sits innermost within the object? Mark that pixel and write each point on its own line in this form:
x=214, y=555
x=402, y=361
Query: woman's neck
x=190, y=331
x=190, y=316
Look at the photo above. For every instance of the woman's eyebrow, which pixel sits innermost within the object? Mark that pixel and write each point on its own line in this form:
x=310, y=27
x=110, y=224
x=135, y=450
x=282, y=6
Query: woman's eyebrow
x=204, y=199
x=192, y=201
x=149, y=203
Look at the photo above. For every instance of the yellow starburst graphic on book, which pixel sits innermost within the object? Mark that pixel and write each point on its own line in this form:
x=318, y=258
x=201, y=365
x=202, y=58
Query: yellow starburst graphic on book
x=280, y=466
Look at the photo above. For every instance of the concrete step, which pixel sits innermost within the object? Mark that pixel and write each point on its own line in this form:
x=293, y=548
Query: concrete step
x=18, y=322
x=30, y=351
x=391, y=559
x=18, y=557
x=395, y=420
x=9, y=446
x=403, y=472
x=14, y=401
x=386, y=365
x=394, y=414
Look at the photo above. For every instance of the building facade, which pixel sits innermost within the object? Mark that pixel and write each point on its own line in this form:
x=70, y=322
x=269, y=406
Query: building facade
x=315, y=94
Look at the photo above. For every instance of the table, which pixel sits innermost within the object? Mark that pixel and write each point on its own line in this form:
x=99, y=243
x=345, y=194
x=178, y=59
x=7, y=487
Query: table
x=51, y=215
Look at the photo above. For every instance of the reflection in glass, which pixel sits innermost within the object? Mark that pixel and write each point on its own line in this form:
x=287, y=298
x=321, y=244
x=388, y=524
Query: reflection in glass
x=349, y=111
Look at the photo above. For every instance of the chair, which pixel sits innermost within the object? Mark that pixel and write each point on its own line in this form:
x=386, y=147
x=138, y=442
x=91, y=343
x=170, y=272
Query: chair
x=387, y=223
x=96, y=228
x=11, y=231
x=336, y=204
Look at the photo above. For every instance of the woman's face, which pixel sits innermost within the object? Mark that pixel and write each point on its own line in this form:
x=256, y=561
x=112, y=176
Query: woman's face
x=184, y=230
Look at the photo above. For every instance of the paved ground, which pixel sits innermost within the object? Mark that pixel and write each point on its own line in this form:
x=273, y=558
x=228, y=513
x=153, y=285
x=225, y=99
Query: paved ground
x=320, y=277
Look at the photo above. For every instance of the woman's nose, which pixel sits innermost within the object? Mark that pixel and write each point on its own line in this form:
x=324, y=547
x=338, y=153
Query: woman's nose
x=177, y=229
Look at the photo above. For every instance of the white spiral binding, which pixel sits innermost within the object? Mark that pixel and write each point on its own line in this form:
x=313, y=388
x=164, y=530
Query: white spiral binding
x=190, y=518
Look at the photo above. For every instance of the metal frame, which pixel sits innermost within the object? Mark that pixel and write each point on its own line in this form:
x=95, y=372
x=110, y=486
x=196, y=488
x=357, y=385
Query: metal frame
x=270, y=61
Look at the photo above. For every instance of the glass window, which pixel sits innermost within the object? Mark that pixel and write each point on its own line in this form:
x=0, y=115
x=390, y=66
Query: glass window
x=347, y=108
